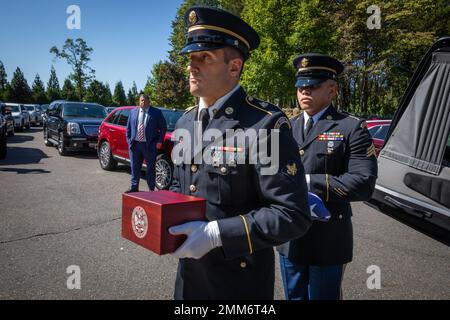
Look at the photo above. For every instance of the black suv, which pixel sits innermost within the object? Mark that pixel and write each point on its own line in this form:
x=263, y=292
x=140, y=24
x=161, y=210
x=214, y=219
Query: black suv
x=72, y=126
x=6, y=112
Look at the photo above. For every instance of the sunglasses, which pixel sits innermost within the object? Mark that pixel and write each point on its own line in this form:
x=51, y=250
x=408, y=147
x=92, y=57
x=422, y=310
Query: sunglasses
x=311, y=87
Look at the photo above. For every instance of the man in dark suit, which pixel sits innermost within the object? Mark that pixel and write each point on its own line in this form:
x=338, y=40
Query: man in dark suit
x=341, y=167
x=146, y=128
x=249, y=209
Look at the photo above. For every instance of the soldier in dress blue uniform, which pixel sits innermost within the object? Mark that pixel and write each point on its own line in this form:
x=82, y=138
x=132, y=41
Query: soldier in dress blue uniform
x=340, y=164
x=231, y=256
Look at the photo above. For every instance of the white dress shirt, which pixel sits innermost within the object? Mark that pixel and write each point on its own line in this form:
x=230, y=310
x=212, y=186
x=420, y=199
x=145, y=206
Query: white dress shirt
x=217, y=105
x=142, y=113
x=315, y=118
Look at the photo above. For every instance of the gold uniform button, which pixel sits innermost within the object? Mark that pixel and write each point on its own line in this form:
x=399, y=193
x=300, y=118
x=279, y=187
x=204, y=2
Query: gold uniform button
x=193, y=188
x=302, y=152
x=243, y=264
x=340, y=216
x=194, y=168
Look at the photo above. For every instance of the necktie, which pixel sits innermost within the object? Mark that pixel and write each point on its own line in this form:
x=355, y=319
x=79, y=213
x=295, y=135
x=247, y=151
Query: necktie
x=204, y=118
x=141, y=127
x=309, y=126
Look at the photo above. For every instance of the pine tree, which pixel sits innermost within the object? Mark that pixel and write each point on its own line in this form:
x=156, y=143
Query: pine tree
x=119, y=97
x=133, y=95
x=68, y=91
x=53, y=89
x=20, y=89
x=98, y=92
x=3, y=82
x=38, y=91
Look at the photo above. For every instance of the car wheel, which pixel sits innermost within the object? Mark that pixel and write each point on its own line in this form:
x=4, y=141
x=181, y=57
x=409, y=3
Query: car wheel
x=163, y=172
x=107, y=162
x=46, y=142
x=3, y=147
x=28, y=125
x=11, y=133
x=61, y=147
x=22, y=126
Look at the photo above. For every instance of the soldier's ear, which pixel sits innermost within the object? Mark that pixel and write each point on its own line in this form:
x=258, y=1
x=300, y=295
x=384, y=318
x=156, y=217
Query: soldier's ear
x=236, y=65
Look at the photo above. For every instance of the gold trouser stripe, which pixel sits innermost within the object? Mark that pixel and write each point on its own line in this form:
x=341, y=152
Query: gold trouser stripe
x=231, y=33
x=248, y=234
x=328, y=187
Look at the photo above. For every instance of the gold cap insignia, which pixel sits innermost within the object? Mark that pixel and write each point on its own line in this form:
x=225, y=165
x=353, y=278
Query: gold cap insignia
x=305, y=62
x=193, y=17
x=292, y=169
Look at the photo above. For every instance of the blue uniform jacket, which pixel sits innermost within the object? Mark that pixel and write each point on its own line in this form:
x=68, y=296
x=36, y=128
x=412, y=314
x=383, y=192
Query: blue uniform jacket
x=255, y=212
x=340, y=157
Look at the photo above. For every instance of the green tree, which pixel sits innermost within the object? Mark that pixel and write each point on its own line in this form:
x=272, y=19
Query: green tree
x=119, y=97
x=77, y=53
x=20, y=90
x=168, y=86
x=108, y=91
x=133, y=95
x=3, y=81
x=38, y=91
x=53, y=89
x=99, y=93
x=68, y=91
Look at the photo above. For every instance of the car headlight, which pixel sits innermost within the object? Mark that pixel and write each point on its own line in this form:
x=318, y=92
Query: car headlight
x=73, y=128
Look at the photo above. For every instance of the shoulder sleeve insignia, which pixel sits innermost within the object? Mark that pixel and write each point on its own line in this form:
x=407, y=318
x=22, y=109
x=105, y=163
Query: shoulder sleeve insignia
x=281, y=121
x=292, y=169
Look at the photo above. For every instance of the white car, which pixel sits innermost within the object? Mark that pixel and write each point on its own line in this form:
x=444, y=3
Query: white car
x=21, y=116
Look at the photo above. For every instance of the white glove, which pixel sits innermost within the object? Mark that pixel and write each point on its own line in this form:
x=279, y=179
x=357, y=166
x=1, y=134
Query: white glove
x=202, y=238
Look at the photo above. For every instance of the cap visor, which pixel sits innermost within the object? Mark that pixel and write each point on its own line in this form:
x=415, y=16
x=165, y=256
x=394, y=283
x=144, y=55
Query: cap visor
x=304, y=82
x=201, y=46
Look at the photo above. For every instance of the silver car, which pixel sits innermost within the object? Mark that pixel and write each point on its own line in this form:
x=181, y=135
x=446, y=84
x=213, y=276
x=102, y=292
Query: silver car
x=35, y=114
x=21, y=116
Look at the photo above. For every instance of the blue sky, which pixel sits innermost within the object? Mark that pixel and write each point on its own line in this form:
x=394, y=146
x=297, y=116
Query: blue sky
x=128, y=37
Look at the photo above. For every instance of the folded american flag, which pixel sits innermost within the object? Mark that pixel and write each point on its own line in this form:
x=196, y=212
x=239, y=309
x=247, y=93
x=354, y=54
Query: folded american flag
x=317, y=208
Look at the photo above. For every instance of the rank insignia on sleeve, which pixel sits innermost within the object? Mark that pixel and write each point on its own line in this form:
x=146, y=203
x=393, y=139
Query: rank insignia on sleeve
x=292, y=169
x=371, y=151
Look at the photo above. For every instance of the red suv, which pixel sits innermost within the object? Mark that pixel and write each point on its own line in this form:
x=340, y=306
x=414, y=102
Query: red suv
x=378, y=129
x=113, y=148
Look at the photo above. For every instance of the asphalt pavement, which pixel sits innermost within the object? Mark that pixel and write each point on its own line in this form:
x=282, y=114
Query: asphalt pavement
x=57, y=212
